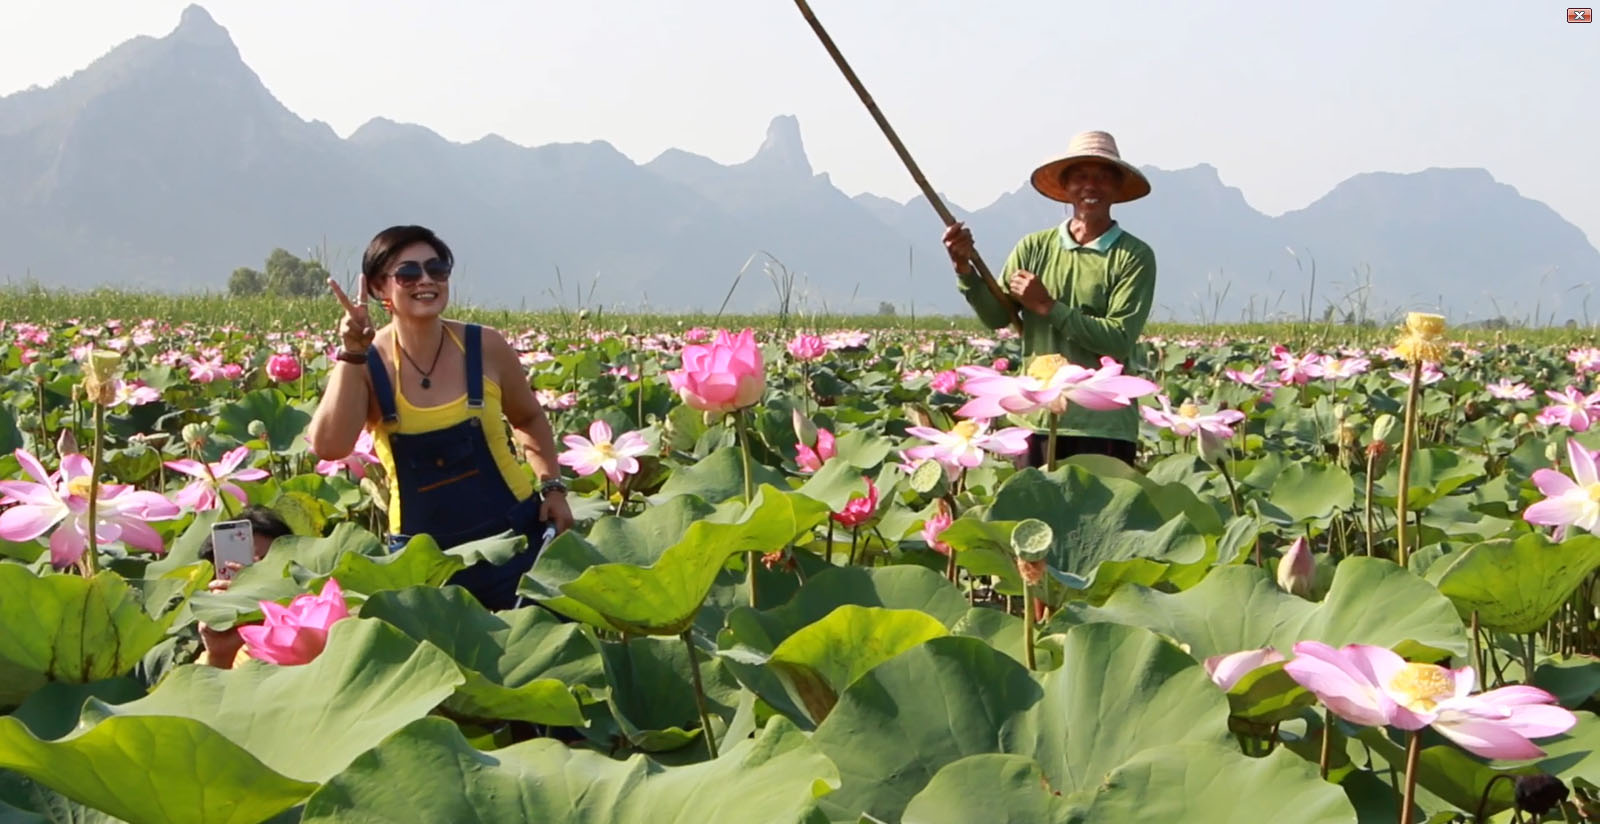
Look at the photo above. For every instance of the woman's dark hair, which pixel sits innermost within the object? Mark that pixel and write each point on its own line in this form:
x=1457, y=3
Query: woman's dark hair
x=388, y=243
x=263, y=521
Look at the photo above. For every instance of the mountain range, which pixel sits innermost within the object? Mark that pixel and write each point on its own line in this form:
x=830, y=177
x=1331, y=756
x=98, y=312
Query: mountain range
x=167, y=163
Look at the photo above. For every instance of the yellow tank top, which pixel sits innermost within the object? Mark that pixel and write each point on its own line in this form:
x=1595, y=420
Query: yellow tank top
x=418, y=419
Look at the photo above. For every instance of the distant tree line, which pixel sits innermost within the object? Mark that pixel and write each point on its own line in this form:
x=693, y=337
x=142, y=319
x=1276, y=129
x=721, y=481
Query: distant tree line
x=284, y=275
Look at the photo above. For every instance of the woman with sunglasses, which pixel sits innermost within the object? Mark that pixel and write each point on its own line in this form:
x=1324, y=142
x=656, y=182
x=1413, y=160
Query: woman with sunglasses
x=438, y=396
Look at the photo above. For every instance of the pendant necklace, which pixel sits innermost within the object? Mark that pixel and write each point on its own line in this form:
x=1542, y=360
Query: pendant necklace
x=426, y=382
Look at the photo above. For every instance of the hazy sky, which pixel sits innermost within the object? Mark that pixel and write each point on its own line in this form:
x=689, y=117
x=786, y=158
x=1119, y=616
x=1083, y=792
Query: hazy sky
x=1286, y=99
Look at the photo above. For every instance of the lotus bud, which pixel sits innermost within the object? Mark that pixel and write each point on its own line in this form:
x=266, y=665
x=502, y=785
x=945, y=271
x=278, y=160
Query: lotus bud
x=257, y=429
x=67, y=444
x=805, y=430
x=1297, y=569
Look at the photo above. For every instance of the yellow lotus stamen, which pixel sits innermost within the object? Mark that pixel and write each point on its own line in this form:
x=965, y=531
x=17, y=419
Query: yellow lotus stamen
x=1189, y=410
x=1420, y=687
x=965, y=430
x=1594, y=493
x=1045, y=367
x=79, y=486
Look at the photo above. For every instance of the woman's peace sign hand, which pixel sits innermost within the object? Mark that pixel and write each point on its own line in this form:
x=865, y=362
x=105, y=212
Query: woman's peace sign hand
x=355, y=329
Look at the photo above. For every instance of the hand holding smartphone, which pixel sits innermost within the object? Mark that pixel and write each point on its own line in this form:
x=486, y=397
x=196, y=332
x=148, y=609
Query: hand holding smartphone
x=232, y=541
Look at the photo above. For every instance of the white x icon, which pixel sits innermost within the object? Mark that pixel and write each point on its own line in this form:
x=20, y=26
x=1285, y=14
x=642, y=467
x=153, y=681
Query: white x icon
x=1580, y=15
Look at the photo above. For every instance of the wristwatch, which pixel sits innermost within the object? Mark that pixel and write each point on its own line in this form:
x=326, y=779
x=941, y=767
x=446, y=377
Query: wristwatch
x=552, y=485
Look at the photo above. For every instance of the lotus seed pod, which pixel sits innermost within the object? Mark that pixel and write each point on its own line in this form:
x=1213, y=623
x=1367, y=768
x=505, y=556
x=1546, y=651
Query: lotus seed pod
x=257, y=429
x=1520, y=420
x=1384, y=427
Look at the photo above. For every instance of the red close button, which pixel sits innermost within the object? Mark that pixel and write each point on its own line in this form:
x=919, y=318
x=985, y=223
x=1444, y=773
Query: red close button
x=1580, y=15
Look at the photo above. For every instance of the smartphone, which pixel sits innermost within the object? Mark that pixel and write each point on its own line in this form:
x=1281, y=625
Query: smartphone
x=232, y=541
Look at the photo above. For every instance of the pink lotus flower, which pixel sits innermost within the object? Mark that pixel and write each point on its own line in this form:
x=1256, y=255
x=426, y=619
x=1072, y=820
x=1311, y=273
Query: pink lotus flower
x=1572, y=409
x=946, y=381
x=722, y=376
x=296, y=634
x=134, y=394
x=1053, y=386
x=935, y=526
x=1256, y=377
x=1227, y=670
x=283, y=368
x=1001, y=365
x=1297, y=570
x=556, y=401
x=1431, y=374
x=598, y=453
x=811, y=460
x=1505, y=390
x=206, y=371
x=356, y=462
x=806, y=348
x=1569, y=501
x=846, y=339
x=121, y=512
x=1585, y=359
x=201, y=494
x=859, y=509
x=1293, y=369
x=1187, y=420
x=1334, y=369
x=697, y=334
x=1374, y=687
x=963, y=446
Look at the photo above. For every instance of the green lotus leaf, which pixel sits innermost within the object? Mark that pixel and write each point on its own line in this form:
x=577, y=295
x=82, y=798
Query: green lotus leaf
x=1119, y=690
x=428, y=772
x=1308, y=492
x=1199, y=783
x=285, y=423
x=1435, y=473
x=717, y=477
x=756, y=634
x=993, y=788
x=304, y=722
x=1517, y=585
x=519, y=664
x=1371, y=601
x=821, y=659
x=651, y=696
x=662, y=599
x=69, y=628
x=148, y=769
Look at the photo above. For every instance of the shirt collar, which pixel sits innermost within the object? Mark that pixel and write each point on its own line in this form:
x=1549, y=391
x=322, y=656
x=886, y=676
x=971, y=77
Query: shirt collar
x=1099, y=244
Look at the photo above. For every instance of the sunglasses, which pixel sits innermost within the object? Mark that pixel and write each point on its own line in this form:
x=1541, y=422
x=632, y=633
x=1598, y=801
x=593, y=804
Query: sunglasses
x=411, y=271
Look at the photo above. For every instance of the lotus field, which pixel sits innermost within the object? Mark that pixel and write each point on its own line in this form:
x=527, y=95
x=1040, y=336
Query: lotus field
x=814, y=580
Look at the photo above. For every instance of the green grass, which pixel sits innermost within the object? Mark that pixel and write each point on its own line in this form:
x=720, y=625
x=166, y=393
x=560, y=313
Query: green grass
x=39, y=305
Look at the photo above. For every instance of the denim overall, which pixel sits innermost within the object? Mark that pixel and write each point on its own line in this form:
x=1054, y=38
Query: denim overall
x=451, y=488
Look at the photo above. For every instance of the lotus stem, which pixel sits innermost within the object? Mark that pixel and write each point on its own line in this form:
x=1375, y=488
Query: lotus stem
x=700, y=696
x=1050, y=445
x=1527, y=670
x=1027, y=627
x=1406, y=447
x=1483, y=800
x=1477, y=653
x=91, y=554
x=1327, y=743
x=749, y=494
x=1413, y=751
x=1233, y=491
x=1372, y=462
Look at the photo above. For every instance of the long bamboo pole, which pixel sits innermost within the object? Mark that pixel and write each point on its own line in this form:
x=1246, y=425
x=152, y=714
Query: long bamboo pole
x=905, y=157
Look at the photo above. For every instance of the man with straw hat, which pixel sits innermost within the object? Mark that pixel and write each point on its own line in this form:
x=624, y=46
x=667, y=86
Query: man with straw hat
x=1085, y=288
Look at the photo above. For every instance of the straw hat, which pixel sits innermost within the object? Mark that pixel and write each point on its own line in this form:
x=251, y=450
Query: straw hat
x=1049, y=179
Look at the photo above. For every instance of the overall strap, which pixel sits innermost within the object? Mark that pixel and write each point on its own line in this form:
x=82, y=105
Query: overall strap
x=381, y=386
x=474, y=346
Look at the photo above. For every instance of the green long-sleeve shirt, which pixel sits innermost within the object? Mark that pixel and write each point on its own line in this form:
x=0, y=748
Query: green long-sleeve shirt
x=1103, y=289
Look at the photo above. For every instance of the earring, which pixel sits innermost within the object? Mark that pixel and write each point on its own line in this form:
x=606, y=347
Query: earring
x=388, y=305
